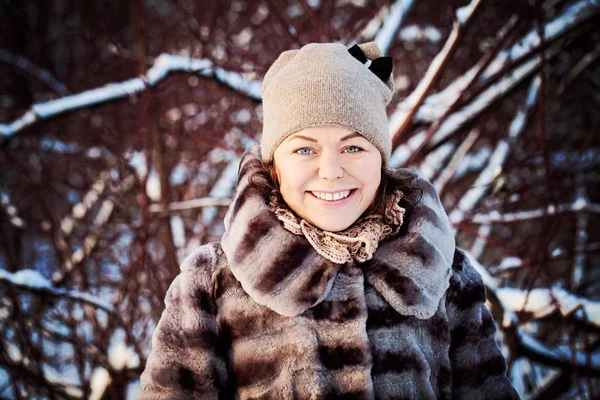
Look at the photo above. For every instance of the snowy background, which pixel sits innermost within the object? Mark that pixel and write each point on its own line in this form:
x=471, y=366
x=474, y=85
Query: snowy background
x=122, y=125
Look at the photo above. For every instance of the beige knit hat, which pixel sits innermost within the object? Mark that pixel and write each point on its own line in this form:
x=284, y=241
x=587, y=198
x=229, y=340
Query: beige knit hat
x=323, y=84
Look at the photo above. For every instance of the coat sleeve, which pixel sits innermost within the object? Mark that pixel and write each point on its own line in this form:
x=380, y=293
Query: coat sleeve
x=478, y=366
x=186, y=361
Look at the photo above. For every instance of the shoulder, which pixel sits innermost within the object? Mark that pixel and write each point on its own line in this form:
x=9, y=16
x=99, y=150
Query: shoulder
x=197, y=274
x=466, y=285
x=204, y=259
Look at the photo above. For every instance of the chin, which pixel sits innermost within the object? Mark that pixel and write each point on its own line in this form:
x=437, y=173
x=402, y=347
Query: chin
x=332, y=226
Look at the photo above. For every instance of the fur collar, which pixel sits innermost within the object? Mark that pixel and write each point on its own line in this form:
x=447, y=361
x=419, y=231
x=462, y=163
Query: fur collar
x=281, y=270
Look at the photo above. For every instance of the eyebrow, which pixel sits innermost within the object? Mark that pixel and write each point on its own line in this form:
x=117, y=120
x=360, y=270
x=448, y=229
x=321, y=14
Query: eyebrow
x=350, y=136
x=304, y=137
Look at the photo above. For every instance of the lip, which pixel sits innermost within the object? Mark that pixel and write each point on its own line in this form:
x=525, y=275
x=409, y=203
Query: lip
x=333, y=204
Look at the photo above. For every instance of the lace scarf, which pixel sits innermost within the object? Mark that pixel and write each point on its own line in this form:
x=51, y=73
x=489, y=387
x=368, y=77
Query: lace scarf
x=358, y=242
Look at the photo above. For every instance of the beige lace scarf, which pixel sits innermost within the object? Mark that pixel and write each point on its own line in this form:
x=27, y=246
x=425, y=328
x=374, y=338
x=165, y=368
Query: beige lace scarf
x=358, y=242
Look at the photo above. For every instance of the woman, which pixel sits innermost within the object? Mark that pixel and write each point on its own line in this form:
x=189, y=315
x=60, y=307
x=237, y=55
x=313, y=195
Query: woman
x=335, y=278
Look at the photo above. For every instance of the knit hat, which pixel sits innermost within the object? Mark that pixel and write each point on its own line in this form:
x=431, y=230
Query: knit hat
x=325, y=84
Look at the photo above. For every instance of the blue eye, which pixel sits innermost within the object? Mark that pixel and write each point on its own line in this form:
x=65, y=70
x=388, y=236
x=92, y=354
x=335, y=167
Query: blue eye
x=305, y=151
x=352, y=149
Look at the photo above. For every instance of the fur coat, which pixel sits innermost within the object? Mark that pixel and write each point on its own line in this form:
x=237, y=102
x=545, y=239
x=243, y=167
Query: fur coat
x=261, y=315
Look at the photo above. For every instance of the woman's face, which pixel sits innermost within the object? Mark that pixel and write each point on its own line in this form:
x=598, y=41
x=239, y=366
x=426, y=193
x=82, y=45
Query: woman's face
x=328, y=175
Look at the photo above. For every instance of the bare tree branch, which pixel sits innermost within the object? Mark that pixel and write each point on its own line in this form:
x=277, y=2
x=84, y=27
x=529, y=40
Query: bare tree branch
x=163, y=66
x=417, y=97
x=31, y=280
x=36, y=72
x=190, y=204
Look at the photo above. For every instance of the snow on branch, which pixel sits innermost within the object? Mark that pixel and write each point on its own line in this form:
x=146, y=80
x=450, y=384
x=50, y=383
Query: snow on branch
x=191, y=204
x=28, y=279
x=436, y=105
x=80, y=210
x=102, y=216
x=400, y=119
x=387, y=33
x=223, y=188
x=519, y=216
x=11, y=211
x=496, y=161
x=581, y=237
x=163, y=66
x=561, y=357
x=459, y=154
x=539, y=302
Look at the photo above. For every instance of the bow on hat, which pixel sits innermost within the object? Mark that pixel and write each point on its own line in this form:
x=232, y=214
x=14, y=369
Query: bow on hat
x=382, y=66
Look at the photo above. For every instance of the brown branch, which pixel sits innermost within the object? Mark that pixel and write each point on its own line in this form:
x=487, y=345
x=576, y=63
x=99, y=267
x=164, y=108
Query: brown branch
x=189, y=205
x=504, y=34
x=437, y=67
x=586, y=61
x=460, y=153
x=287, y=27
x=541, y=98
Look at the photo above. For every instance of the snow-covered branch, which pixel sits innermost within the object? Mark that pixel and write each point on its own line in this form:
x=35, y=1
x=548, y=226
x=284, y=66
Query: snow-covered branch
x=28, y=279
x=163, y=66
x=104, y=213
x=191, y=204
x=80, y=210
x=11, y=211
x=387, y=33
x=581, y=236
x=539, y=302
x=496, y=161
x=399, y=119
x=525, y=215
x=562, y=357
x=437, y=104
x=223, y=188
x=461, y=152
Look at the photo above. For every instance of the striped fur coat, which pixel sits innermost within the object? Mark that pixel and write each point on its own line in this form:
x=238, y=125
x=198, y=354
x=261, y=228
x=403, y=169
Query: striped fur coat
x=262, y=316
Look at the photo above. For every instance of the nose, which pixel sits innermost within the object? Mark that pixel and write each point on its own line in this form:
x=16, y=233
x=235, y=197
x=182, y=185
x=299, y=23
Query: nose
x=330, y=167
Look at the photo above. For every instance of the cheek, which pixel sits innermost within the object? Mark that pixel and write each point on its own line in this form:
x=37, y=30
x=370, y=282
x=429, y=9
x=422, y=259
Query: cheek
x=290, y=182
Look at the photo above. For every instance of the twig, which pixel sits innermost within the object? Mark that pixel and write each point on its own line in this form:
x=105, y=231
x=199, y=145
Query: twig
x=450, y=170
x=33, y=281
x=33, y=70
x=417, y=97
x=190, y=204
x=285, y=25
x=581, y=65
x=541, y=98
x=496, y=162
x=581, y=237
x=91, y=239
x=471, y=79
x=509, y=60
x=80, y=210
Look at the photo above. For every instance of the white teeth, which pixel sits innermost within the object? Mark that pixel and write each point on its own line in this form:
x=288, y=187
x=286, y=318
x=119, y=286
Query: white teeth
x=331, y=196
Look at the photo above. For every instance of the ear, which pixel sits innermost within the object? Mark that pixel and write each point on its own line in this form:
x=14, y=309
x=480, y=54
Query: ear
x=357, y=53
x=382, y=67
x=371, y=50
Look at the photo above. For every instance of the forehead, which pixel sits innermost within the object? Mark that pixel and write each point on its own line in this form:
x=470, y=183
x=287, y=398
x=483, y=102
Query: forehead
x=324, y=133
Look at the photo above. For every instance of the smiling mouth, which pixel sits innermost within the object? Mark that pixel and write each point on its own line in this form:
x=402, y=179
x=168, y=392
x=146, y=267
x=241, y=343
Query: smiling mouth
x=332, y=196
